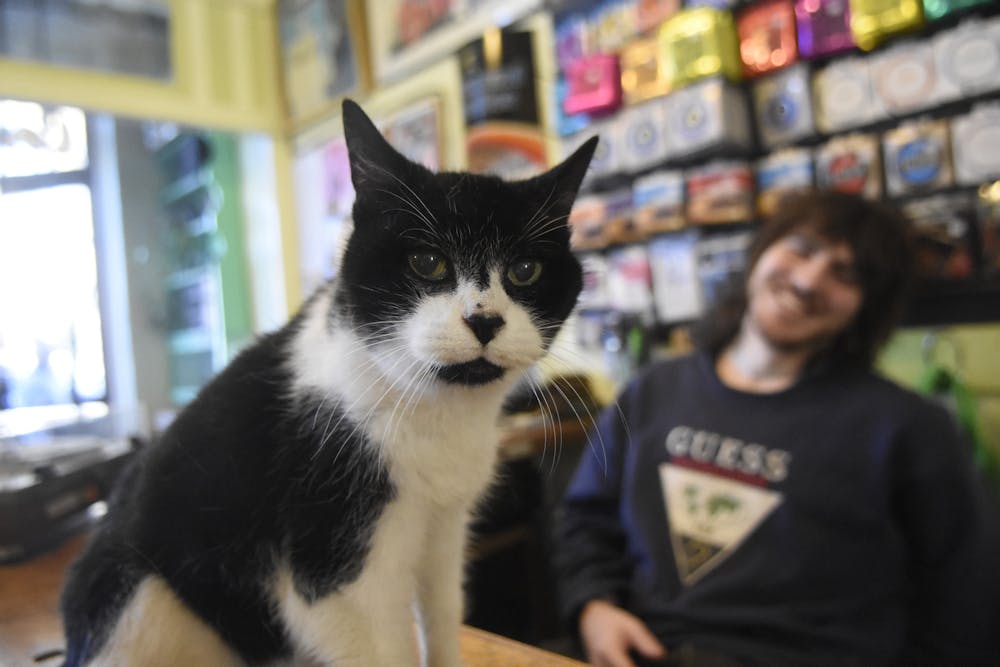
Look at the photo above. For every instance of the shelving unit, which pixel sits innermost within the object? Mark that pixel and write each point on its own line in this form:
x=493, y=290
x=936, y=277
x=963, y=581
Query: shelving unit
x=190, y=200
x=972, y=297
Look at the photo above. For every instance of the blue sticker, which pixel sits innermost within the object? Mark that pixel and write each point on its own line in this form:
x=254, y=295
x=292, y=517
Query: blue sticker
x=920, y=161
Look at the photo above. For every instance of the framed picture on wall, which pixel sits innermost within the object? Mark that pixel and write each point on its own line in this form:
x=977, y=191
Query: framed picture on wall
x=406, y=35
x=324, y=55
x=415, y=131
x=421, y=116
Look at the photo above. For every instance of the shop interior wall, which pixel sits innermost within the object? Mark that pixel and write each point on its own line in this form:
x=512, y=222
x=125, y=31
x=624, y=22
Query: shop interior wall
x=146, y=266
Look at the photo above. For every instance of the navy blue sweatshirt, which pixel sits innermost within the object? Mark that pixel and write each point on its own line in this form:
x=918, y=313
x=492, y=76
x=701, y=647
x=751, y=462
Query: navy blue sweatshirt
x=793, y=528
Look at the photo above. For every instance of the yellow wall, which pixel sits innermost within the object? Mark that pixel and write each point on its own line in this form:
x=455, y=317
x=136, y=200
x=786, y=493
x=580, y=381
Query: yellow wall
x=226, y=75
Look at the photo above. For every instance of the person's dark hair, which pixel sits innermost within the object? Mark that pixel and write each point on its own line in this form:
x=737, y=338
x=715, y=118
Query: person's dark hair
x=880, y=237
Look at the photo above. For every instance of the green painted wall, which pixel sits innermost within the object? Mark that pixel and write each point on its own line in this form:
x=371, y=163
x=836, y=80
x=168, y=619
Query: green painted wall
x=236, y=299
x=971, y=352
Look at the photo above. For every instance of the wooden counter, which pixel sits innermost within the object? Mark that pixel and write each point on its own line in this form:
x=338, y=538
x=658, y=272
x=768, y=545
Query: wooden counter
x=30, y=625
x=484, y=649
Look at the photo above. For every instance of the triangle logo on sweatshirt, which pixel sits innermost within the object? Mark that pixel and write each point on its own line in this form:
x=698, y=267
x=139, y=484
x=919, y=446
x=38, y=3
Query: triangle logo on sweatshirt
x=710, y=516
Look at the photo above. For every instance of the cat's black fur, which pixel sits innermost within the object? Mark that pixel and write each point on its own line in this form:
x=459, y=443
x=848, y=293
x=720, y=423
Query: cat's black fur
x=242, y=478
x=233, y=480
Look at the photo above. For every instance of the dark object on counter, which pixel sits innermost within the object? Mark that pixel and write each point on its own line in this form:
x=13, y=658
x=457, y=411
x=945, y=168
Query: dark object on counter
x=46, y=494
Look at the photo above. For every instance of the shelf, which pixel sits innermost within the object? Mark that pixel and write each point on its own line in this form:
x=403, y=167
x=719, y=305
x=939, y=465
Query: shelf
x=191, y=341
x=959, y=303
x=193, y=275
x=196, y=183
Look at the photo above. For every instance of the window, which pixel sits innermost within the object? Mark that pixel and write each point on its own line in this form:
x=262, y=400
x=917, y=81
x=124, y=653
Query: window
x=51, y=348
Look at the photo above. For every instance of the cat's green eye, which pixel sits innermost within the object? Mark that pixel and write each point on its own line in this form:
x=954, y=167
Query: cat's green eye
x=524, y=272
x=429, y=265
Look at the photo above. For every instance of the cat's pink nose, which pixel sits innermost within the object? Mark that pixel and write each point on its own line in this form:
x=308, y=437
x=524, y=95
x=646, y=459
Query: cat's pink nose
x=484, y=327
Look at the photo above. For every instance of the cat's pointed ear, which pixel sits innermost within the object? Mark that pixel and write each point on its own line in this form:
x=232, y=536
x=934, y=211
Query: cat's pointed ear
x=372, y=158
x=567, y=176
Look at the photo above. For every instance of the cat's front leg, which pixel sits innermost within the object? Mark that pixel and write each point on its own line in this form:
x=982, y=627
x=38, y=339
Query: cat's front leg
x=367, y=624
x=440, y=589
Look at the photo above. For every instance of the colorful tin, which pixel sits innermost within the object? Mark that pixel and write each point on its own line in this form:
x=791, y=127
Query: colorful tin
x=619, y=226
x=843, y=95
x=944, y=227
x=594, y=85
x=780, y=173
x=643, y=76
x=714, y=4
x=642, y=135
x=917, y=157
x=614, y=23
x=904, y=78
x=586, y=223
x=658, y=202
x=573, y=41
x=699, y=43
x=851, y=163
x=651, y=13
x=824, y=27
x=707, y=117
x=630, y=288
x=976, y=145
x=874, y=21
x=567, y=124
x=721, y=257
x=720, y=192
x=935, y=9
x=766, y=31
x=594, y=294
x=783, y=106
x=968, y=56
x=673, y=261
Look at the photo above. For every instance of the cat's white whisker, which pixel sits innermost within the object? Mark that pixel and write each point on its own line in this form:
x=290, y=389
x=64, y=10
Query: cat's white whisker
x=557, y=430
x=539, y=214
x=537, y=391
x=415, y=389
x=410, y=379
x=372, y=362
x=591, y=420
x=597, y=431
x=546, y=227
x=392, y=385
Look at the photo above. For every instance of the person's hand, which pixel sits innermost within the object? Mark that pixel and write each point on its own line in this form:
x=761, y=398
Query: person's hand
x=610, y=632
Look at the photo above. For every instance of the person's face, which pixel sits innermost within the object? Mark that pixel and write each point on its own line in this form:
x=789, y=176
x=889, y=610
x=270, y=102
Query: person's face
x=803, y=291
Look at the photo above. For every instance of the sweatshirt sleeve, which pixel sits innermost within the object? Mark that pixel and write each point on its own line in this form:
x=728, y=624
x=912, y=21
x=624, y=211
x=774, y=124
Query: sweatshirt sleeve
x=590, y=552
x=940, y=513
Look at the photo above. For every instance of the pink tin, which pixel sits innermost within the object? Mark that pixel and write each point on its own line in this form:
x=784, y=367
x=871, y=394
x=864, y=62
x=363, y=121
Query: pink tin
x=824, y=27
x=594, y=84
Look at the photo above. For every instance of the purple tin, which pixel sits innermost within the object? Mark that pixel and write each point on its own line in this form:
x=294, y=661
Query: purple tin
x=824, y=27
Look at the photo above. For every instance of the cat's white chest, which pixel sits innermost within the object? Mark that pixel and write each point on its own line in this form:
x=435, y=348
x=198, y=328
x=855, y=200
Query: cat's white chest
x=446, y=450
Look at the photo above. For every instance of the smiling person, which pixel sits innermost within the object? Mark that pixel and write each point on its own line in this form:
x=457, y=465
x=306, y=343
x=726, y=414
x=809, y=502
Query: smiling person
x=770, y=500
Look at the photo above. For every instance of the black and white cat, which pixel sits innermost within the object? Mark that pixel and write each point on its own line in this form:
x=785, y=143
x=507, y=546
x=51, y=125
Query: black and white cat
x=310, y=506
